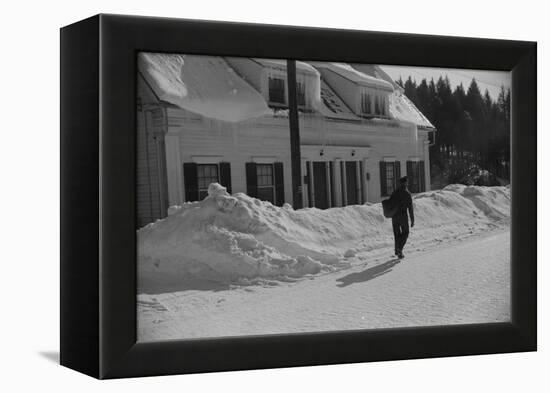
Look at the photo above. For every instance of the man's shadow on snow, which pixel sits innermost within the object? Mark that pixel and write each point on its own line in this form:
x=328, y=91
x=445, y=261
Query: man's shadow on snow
x=368, y=274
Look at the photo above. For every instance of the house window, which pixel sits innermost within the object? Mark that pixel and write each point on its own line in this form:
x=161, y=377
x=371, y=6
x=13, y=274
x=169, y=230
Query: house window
x=366, y=106
x=390, y=172
x=265, y=182
x=301, y=93
x=197, y=178
x=390, y=179
x=277, y=90
x=206, y=174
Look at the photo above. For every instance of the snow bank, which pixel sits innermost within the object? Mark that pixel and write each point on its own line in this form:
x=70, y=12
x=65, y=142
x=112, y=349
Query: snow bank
x=228, y=237
x=463, y=204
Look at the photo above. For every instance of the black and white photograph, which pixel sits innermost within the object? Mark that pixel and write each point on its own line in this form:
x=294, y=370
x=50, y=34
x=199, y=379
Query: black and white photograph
x=291, y=196
x=279, y=196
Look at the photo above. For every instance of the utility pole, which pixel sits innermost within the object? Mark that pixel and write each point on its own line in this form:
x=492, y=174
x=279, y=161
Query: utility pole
x=295, y=155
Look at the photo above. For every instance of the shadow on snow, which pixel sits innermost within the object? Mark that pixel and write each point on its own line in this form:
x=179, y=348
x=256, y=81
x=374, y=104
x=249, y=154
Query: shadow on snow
x=368, y=274
x=155, y=286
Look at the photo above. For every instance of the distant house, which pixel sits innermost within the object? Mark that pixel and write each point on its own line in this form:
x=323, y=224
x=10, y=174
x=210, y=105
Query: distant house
x=211, y=119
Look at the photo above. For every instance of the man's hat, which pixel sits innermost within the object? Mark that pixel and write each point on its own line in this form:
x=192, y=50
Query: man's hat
x=403, y=180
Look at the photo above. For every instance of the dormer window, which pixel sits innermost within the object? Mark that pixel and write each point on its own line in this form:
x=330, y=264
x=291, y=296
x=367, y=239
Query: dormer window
x=277, y=93
x=385, y=106
x=377, y=106
x=277, y=90
x=373, y=103
x=269, y=78
x=366, y=105
x=365, y=95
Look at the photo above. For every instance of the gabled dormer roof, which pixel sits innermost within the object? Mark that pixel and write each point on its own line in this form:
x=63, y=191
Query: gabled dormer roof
x=401, y=108
x=365, y=95
x=375, y=71
x=348, y=72
x=258, y=72
x=301, y=67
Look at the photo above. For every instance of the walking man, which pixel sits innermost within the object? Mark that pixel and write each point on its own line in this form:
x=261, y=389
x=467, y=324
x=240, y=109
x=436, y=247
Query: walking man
x=401, y=198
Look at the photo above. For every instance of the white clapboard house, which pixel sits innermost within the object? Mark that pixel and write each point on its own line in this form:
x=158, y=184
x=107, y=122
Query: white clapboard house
x=204, y=119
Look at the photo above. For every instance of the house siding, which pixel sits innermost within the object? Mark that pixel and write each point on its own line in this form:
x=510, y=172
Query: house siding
x=268, y=138
x=151, y=187
x=236, y=144
x=151, y=181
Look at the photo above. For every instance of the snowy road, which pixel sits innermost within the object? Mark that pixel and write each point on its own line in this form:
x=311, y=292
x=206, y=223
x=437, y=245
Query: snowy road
x=463, y=282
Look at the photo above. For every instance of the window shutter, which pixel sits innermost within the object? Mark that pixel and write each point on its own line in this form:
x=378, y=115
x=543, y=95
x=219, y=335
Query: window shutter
x=309, y=184
x=279, y=184
x=397, y=172
x=333, y=184
x=251, y=180
x=225, y=175
x=422, y=177
x=410, y=175
x=383, y=185
x=190, y=181
x=363, y=197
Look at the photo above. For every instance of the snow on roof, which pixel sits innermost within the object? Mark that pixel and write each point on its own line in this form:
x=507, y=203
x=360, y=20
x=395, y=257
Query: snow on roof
x=281, y=65
x=308, y=76
x=348, y=72
x=401, y=108
x=332, y=106
x=205, y=85
x=208, y=86
x=376, y=72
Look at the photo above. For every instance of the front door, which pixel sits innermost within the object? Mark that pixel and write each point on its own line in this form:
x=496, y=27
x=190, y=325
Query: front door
x=351, y=182
x=320, y=184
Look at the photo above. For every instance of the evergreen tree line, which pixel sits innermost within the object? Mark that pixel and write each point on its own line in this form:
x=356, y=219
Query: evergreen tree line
x=472, y=143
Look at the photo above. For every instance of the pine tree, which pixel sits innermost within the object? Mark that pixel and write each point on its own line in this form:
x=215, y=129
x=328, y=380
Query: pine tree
x=473, y=130
x=474, y=101
x=410, y=90
x=400, y=82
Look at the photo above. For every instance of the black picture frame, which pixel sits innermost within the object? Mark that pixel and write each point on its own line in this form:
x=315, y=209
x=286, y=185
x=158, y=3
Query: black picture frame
x=98, y=213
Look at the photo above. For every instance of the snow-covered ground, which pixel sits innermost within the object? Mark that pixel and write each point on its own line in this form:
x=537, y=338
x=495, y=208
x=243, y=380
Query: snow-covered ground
x=233, y=265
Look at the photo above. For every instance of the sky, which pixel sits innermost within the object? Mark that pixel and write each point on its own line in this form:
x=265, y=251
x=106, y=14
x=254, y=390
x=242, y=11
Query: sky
x=490, y=80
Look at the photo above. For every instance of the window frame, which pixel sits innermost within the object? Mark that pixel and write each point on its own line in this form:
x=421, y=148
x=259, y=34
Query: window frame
x=264, y=187
x=200, y=190
x=393, y=180
x=274, y=78
x=366, y=103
